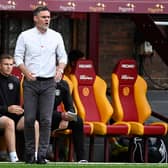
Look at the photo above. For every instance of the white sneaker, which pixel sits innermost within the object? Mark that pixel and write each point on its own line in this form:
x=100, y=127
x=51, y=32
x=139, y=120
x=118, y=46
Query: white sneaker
x=14, y=159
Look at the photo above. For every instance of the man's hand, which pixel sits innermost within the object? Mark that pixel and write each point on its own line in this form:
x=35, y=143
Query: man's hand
x=58, y=75
x=63, y=124
x=15, y=109
x=59, y=72
x=29, y=76
x=67, y=117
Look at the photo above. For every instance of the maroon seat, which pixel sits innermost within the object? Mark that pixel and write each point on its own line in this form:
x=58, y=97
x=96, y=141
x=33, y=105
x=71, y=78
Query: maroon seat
x=17, y=72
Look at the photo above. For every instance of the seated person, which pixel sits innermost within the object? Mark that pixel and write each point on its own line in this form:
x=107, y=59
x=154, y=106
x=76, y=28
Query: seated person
x=63, y=120
x=11, y=113
x=73, y=56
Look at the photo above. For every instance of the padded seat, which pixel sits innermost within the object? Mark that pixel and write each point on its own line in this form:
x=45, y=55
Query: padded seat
x=89, y=95
x=130, y=102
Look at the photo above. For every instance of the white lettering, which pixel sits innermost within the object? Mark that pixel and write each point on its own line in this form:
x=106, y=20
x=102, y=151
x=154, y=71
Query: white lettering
x=84, y=77
x=67, y=8
x=6, y=7
x=125, y=9
x=85, y=65
x=126, y=77
x=128, y=66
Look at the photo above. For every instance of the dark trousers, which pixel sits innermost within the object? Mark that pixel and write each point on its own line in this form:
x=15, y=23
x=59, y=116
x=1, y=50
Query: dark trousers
x=38, y=97
x=77, y=133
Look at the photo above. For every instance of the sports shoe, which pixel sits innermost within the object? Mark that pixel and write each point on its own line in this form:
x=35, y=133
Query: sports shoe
x=14, y=159
x=30, y=159
x=119, y=149
x=42, y=161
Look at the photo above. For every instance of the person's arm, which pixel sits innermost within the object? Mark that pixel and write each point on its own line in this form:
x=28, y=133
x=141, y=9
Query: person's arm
x=62, y=58
x=11, y=109
x=67, y=98
x=3, y=109
x=61, y=54
x=19, y=50
x=61, y=67
x=19, y=57
x=59, y=71
x=16, y=108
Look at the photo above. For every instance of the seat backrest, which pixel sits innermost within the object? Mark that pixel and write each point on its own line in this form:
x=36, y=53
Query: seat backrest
x=129, y=93
x=89, y=93
x=17, y=72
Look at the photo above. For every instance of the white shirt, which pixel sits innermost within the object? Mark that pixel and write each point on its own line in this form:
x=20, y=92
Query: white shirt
x=38, y=51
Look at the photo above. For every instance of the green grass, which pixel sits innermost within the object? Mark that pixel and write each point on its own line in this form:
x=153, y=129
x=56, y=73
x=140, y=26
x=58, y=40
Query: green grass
x=84, y=165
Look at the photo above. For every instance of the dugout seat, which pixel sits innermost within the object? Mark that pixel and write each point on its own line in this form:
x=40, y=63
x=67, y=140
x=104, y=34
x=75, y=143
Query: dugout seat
x=130, y=103
x=92, y=104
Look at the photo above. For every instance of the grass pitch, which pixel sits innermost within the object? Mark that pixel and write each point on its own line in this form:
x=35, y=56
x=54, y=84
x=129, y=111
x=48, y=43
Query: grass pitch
x=84, y=165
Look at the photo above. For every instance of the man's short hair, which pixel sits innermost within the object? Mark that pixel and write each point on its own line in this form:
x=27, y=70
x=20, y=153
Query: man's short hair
x=75, y=55
x=39, y=9
x=5, y=56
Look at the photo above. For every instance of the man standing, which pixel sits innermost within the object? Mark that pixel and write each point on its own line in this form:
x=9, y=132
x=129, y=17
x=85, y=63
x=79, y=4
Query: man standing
x=35, y=54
